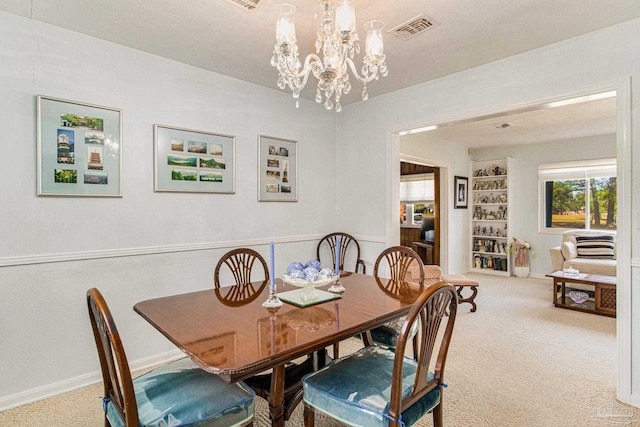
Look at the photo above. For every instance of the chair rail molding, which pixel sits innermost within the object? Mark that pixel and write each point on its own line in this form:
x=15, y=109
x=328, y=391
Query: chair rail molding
x=152, y=250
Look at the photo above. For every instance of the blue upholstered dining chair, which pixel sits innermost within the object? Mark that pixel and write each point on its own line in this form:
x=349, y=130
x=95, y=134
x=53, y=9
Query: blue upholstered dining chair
x=381, y=387
x=179, y=393
x=398, y=260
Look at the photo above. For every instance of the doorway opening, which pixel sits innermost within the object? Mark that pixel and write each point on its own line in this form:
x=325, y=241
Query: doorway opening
x=420, y=210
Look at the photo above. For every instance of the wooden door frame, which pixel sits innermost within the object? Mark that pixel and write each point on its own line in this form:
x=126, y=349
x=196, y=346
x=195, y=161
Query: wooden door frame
x=441, y=211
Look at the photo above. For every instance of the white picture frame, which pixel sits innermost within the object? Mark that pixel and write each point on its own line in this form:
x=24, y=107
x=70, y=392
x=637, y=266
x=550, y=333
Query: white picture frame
x=277, y=169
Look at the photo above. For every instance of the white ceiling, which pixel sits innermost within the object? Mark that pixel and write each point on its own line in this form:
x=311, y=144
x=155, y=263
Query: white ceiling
x=220, y=36
x=541, y=123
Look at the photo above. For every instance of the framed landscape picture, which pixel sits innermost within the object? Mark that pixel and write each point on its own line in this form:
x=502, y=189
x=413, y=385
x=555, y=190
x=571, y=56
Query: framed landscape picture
x=79, y=149
x=194, y=161
x=277, y=170
x=461, y=184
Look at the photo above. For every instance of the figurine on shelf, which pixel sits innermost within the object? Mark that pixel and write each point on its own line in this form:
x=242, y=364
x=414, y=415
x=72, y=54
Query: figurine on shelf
x=477, y=213
x=477, y=261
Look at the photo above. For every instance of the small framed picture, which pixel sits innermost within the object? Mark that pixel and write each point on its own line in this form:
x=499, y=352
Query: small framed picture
x=79, y=149
x=461, y=188
x=277, y=170
x=189, y=160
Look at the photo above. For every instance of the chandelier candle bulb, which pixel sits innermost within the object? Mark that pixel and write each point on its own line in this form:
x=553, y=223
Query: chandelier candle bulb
x=375, y=45
x=345, y=17
x=285, y=28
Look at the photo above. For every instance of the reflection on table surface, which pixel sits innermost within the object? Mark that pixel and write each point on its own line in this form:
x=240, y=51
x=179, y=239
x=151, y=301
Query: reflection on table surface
x=239, y=295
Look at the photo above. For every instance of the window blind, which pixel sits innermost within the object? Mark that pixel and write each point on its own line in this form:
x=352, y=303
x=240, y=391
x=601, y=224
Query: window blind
x=416, y=188
x=601, y=168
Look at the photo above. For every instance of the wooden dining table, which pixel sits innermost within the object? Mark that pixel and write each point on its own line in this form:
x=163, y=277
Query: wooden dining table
x=244, y=341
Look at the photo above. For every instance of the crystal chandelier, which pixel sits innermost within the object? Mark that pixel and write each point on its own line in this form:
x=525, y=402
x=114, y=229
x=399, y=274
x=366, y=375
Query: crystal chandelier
x=337, y=42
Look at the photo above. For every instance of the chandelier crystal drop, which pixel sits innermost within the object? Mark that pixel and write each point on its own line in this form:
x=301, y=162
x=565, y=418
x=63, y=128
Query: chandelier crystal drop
x=336, y=45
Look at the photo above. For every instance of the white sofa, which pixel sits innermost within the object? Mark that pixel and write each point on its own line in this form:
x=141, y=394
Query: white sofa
x=566, y=255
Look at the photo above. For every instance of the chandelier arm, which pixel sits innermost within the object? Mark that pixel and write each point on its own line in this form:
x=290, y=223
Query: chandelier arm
x=304, y=72
x=364, y=79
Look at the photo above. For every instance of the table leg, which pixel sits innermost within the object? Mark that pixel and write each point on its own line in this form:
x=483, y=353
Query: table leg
x=555, y=291
x=276, y=397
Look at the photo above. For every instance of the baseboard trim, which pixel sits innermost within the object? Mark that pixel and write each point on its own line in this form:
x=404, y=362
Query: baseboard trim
x=153, y=250
x=54, y=389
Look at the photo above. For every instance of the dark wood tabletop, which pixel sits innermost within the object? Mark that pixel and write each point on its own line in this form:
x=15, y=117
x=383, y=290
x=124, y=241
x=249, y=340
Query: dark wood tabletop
x=240, y=341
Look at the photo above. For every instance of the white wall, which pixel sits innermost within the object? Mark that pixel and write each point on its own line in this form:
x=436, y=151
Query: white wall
x=44, y=327
x=577, y=65
x=524, y=178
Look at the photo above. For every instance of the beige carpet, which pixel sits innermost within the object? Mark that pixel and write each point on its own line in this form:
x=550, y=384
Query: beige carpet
x=517, y=361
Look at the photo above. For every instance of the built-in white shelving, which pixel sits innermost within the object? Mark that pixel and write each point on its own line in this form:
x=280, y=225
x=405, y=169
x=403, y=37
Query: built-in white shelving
x=490, y=225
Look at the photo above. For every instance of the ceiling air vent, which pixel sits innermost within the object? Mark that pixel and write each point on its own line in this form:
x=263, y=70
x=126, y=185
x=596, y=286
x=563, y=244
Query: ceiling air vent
x=414, y=27
x=503, y=125
x=247, y=4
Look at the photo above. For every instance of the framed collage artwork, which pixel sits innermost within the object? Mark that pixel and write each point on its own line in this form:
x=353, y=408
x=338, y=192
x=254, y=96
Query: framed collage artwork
x=189, y=160
x=277, y=170
x=79, y=149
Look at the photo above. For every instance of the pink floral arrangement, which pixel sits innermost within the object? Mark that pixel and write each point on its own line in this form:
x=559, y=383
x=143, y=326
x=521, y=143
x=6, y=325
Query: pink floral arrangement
x=520, y=248
x=517, y=245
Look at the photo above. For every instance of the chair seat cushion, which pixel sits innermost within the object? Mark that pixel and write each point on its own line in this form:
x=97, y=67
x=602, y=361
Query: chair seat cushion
x=387, y=334
x=356, y=389
x=182, y=394
x=459, y=280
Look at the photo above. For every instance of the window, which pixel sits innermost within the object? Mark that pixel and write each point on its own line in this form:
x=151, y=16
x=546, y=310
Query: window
x=578, y=195
x=416, y=197
x=416, y=188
